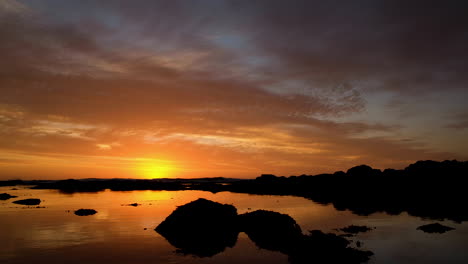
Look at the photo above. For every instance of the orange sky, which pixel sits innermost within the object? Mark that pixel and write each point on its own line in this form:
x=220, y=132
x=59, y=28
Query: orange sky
x=221, y=88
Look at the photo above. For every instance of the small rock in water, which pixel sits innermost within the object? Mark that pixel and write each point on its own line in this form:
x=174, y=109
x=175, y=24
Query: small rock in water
x=435, y=228
x=28, y=202
x=85, y=212
x=134, y=204
x=6, y=196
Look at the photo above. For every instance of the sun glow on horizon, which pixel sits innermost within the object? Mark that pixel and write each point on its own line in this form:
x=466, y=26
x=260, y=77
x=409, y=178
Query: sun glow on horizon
x=155, y=169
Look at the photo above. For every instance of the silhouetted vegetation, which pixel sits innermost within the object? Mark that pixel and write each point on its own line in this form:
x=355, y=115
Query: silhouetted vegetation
x=435, y=228
x=204, y=228
x=28, y=202
x=428, y=189
x=6, y=196
x=85, y=212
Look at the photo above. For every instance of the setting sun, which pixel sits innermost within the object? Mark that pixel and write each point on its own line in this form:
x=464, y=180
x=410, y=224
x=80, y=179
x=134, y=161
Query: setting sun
x=152, y=169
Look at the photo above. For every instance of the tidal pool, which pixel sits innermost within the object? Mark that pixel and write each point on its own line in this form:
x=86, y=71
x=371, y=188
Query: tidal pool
x=119, y=233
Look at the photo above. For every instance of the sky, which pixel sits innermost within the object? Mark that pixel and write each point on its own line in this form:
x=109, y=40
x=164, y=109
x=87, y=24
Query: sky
x=231, y=88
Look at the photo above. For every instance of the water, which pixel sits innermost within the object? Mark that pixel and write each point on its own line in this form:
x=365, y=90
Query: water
x=116, y=234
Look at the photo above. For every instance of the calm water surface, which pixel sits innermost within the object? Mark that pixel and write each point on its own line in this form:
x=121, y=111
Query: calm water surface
x=116, y=234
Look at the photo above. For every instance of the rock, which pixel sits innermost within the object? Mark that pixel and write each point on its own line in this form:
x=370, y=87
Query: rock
x=134, y=204
x=28, y=202
x=322, y=242
x=202, y=228
x=318, y=247
x=354, y=229
x=6, y=196
x=85, y=212
x=435, y=228
x=270, y=230
x=280, y=232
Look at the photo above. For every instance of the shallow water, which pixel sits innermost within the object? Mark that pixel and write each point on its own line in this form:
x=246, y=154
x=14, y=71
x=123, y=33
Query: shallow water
x=116, y=234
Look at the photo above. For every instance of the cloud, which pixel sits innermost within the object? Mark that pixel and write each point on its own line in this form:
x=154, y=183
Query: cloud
x=291, y=84
x=460, y=122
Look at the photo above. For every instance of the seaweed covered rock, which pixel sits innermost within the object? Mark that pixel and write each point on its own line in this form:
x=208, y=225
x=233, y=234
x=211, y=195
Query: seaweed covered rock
x=435, y=228
x=6, y=196
x=280, y=232
x=85, y=212
x=270, y=230
x=31, y=201
x=202, y=228
x=318, y=247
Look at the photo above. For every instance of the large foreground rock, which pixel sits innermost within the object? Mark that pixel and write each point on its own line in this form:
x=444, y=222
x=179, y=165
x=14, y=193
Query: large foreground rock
x=28, y=201
x=202, y=228
x=270, y=230
x=280, y=232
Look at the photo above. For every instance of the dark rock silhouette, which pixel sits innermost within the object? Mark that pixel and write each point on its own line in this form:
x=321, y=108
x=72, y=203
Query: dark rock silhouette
x=435, y=228
x=318, y=247
x=259, y=226
x=354, y=229
x=202, y=228
x=28, y=202
x=280, y=232
x=85, y=212
x=134, y=204
x=6, y=196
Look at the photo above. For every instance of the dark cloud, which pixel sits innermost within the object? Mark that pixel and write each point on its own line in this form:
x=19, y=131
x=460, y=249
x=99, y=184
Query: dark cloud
x=459, y=122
